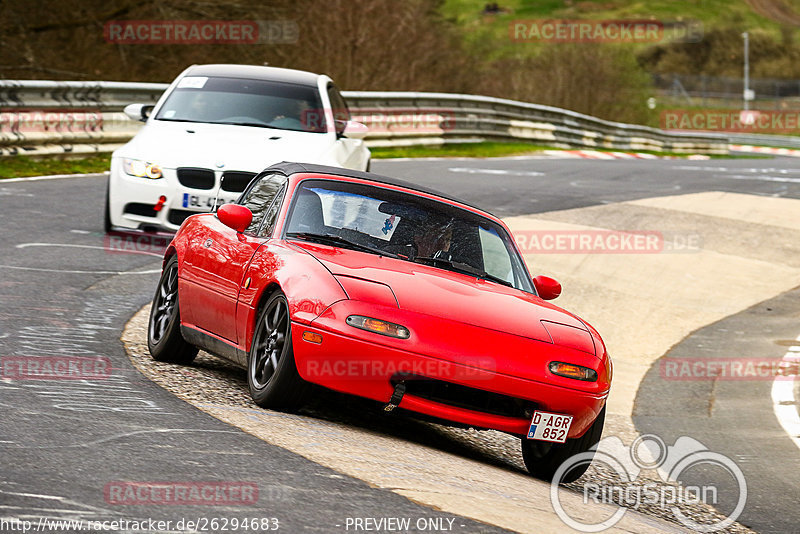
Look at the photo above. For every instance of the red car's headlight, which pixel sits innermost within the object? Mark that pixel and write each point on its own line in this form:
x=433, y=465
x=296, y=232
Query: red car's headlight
x=378, y=326
x=569, y=370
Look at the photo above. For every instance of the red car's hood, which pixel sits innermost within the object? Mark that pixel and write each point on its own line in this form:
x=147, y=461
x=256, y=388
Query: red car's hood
x=437, y=292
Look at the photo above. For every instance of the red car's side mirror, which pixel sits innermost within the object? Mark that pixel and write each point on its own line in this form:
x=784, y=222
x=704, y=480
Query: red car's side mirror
x=546, y=287
x=235, y=216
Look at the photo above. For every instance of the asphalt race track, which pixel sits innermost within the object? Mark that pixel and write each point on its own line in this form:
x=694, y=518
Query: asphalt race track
x=64, y=293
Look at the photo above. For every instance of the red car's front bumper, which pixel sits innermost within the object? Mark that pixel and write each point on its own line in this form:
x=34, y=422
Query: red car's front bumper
x=369, y=365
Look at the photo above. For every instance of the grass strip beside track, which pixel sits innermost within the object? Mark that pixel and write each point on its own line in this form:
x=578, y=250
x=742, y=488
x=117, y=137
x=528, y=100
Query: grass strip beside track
x=21, y=166
x=472, y=150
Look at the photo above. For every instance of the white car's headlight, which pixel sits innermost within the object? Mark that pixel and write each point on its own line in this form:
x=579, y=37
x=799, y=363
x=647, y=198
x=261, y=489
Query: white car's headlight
x=142, y=169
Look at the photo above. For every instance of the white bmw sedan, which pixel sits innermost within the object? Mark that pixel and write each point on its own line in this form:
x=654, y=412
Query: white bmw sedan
x=213, y=129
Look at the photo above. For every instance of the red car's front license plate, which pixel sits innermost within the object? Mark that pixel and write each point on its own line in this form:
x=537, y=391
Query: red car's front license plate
x=547, y=426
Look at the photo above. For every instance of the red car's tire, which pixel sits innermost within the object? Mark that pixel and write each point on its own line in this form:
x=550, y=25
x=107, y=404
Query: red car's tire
x=543, y=458
x=271, y=370
x=164, y=339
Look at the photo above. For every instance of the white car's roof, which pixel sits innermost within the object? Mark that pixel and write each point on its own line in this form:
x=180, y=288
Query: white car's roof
x=255, y=72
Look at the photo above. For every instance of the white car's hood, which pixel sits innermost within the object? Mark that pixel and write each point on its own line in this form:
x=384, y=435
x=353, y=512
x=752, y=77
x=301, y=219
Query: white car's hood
x=242, y=148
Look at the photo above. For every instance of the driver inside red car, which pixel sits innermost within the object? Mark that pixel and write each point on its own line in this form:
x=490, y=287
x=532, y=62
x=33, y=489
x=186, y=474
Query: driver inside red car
x=434, y=241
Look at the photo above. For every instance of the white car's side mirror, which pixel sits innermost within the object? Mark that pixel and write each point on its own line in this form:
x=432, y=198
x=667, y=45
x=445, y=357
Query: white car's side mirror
x=138, y=112
x=355, y=130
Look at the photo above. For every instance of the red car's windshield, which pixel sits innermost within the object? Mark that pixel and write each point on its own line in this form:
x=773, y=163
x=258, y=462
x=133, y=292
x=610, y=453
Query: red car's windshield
x=412, y=228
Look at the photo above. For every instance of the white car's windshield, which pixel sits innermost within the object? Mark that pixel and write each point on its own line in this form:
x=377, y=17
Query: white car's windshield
x=245, y=102
x=383, y=221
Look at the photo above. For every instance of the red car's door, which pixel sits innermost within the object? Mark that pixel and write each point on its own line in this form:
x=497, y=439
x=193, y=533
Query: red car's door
x=215, y=269
x=215, y=262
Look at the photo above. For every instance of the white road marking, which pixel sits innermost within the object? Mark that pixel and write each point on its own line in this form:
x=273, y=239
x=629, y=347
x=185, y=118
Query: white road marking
x=461, y=158
x=763, y=178
x=5, y=191
x=26, y=245
x=784, y=403
x=754, y=170
x=80, y=231
x=470, y=170
x=54, y=177
x=766, y=174
x=35, y=495
x=700, y=168
x=67, y=271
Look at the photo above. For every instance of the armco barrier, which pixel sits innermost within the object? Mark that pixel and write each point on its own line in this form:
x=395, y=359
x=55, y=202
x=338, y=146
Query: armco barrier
x=62, y=118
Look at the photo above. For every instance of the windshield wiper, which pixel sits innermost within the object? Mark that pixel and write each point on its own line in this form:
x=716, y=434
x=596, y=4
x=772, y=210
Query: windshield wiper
x=255, y=124
x=462, y=268
x=176, y=120
x=334, y=239
x=497, y=279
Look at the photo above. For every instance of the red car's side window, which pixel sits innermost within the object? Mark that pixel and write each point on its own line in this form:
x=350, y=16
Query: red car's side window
x=260, y=196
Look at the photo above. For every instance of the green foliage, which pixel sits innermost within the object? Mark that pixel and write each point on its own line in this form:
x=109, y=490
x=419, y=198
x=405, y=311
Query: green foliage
x=721, y=53
x=419, y=45
x=601, y=80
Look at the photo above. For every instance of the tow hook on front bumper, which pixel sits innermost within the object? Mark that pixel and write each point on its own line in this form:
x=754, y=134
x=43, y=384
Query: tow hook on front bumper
x=397, y=396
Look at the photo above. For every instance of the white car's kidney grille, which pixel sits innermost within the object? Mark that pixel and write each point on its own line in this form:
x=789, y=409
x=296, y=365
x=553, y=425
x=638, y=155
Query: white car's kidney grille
x=196, y=178
x=236, y=181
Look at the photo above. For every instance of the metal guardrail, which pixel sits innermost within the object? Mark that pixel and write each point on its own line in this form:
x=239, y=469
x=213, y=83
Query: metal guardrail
x=62, y=118
x=478, y=118
x=786, y=141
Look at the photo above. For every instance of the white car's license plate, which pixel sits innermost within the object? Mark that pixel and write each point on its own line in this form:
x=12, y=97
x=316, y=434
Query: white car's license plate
x=202, y=202
x=547, y=426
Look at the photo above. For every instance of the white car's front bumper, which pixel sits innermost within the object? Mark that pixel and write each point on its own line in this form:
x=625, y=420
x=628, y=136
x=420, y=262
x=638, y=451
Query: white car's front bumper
x=132, y=199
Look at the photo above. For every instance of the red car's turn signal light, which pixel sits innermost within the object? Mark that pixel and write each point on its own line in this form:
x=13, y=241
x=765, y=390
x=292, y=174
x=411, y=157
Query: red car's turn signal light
x=378, y=326
x=577, y=372
x=312, y=337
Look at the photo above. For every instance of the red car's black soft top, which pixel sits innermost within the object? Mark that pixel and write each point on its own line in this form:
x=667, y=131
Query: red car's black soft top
x=289, y=168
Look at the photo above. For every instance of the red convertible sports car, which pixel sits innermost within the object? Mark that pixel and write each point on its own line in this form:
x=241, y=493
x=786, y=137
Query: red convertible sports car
x=380, y=288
